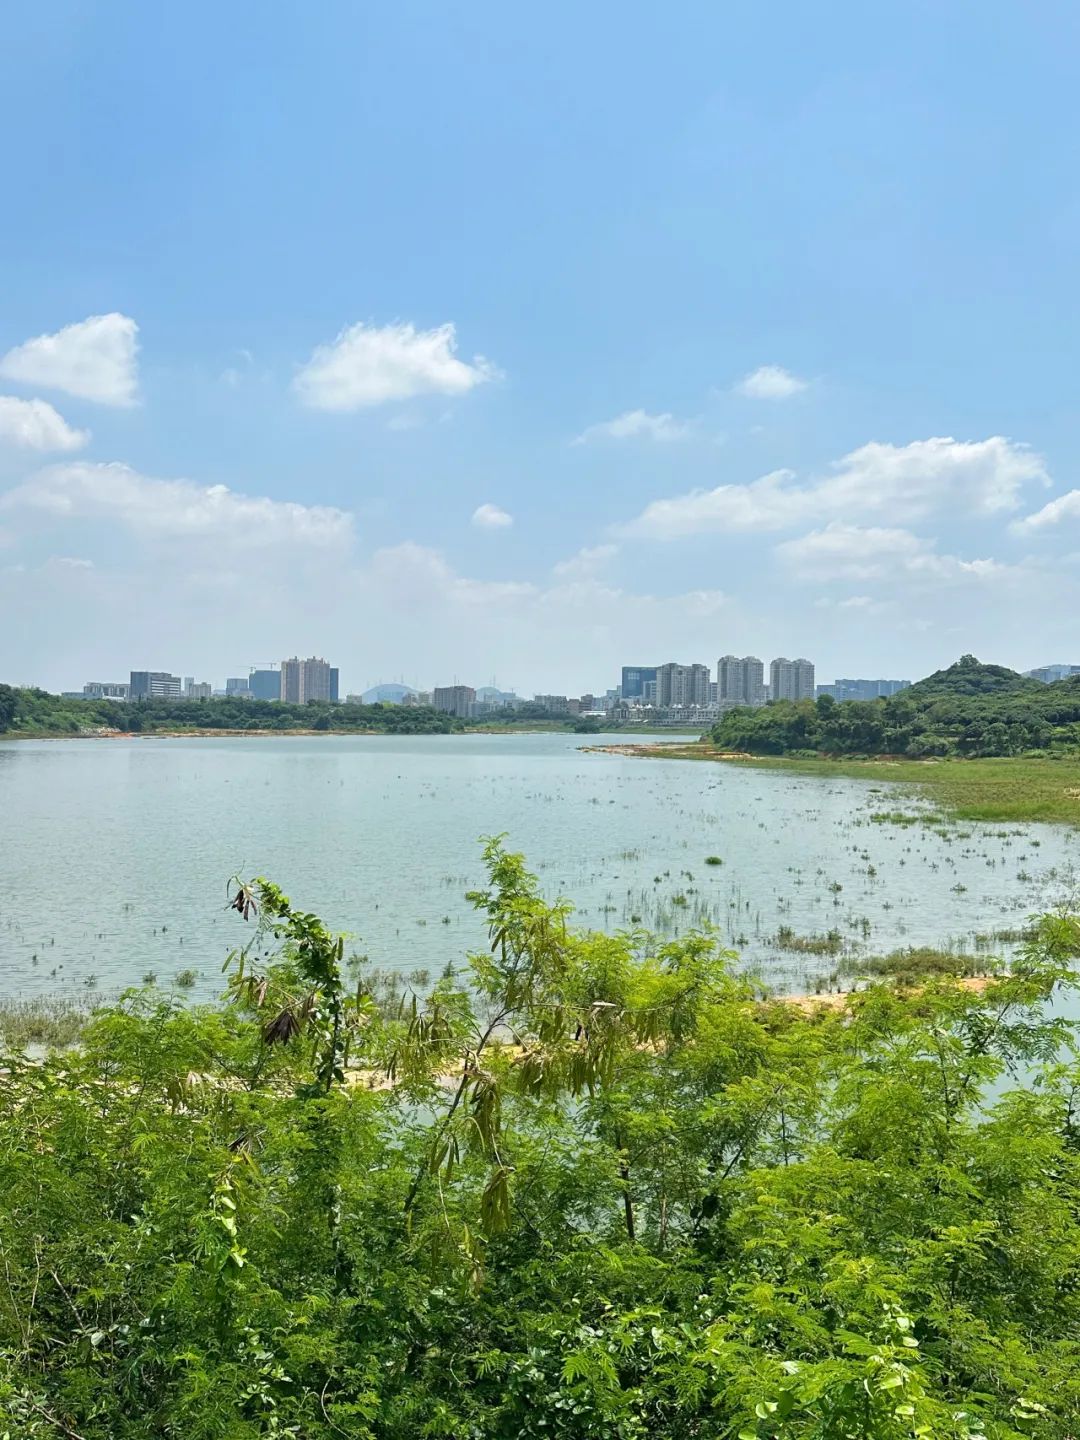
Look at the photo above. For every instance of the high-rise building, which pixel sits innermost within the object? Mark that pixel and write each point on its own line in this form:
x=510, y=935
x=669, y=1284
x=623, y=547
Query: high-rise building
x=682, y=685
x=197, y=689
x=305, y=680
x=634, y=679
x=238, y=687
x=454, y=699
x=335, y=680
x=740, y=681
x=791, y=679
x=265, y=684
x=863, y=689
x=154, y=685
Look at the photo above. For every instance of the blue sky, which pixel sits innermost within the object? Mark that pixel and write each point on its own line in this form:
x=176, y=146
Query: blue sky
x=680, y=249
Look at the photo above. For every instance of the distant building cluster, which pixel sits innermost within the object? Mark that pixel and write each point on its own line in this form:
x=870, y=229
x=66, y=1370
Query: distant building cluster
x=863, y=689
x=668, y=694
x=1048, y=674
x=675, y=694
x=295, y=681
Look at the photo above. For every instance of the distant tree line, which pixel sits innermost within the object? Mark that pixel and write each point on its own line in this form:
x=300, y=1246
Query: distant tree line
x=969, y=709
x=30, y=712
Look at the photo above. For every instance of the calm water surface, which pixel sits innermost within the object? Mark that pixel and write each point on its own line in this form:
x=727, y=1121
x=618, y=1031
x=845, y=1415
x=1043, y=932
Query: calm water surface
x=114, y=855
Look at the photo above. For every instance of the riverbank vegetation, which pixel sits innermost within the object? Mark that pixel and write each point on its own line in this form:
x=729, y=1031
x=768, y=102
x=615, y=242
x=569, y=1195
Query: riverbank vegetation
x=36, y=712
x=586, y=1186
x=31, y=712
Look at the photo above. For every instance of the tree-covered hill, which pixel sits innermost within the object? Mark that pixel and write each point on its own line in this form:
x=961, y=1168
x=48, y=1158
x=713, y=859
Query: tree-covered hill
x=36, y=712
x=968, y=709
x=968, y=676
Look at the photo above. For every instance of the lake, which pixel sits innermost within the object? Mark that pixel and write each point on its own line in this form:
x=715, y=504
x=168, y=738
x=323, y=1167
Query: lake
x=115, y=854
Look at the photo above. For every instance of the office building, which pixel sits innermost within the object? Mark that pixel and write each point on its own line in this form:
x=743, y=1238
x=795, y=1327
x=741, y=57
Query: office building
x=335, y=681
x=863, y=689
x=105, y=690
x=305, y=680
x=740, y=681
x=154, y=685
x=197, y=689
x=265, y=684
x=791, y=679
x=1048, y=674
x=238, y=687
x=634, y=679
x=454, y=699
x=681, y=685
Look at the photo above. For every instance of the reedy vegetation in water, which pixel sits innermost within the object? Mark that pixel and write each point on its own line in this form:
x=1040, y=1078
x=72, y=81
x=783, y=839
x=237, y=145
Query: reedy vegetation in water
x=587, y=1188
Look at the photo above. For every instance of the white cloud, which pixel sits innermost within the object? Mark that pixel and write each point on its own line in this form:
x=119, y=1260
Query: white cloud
x=71, y=562
x=368, y=365
x=35, y=425
x=94, y=359
x=908, y=481
x=490, y=517
x=1065, y=507
x=636, y=423
x=899, y=482
x=586, y=562
x=770, y=382
x=852, y=552
x=178, y=510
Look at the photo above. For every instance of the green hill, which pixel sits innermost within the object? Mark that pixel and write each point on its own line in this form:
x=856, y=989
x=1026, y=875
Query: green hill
x=967, y=709
x=968, y=676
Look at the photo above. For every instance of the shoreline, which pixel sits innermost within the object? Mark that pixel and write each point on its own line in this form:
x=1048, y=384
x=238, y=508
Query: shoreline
x=1017, y=789
x=212, y=733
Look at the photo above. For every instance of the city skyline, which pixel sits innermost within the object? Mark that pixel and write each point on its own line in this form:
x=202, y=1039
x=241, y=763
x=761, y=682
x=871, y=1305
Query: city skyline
x=615, y=408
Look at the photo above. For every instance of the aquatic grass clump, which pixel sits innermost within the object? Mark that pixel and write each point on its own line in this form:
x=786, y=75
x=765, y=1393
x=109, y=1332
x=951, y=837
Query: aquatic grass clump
x=50, y=1021
x=831, y=943
x=918, y=964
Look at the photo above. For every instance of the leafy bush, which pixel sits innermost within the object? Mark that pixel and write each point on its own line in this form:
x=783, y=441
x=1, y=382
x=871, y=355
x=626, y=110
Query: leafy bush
x=590, y=1189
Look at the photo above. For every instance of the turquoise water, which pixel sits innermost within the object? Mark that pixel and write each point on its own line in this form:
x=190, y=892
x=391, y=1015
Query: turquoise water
x=115, y=854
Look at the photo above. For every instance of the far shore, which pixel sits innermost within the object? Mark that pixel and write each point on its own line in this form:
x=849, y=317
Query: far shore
x=213, y=734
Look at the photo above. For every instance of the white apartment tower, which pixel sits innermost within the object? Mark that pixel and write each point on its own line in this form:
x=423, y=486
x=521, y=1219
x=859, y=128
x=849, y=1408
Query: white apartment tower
x=740, y=681
x=682, y=685
x=304, y=680
x=791, y=679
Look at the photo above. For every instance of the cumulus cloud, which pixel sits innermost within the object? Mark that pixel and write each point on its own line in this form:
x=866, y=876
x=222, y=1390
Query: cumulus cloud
x=490, y=517
x=35, y=425
x=770, y=503
x=176, y=509
x=1065, y=507
x=431, y=579
x=853, y=552
x=770, y=382
x=902, y=482
x=908, y=481
x=369, y=365
x=587, y=561
x=94, y=359
x=633, y=424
